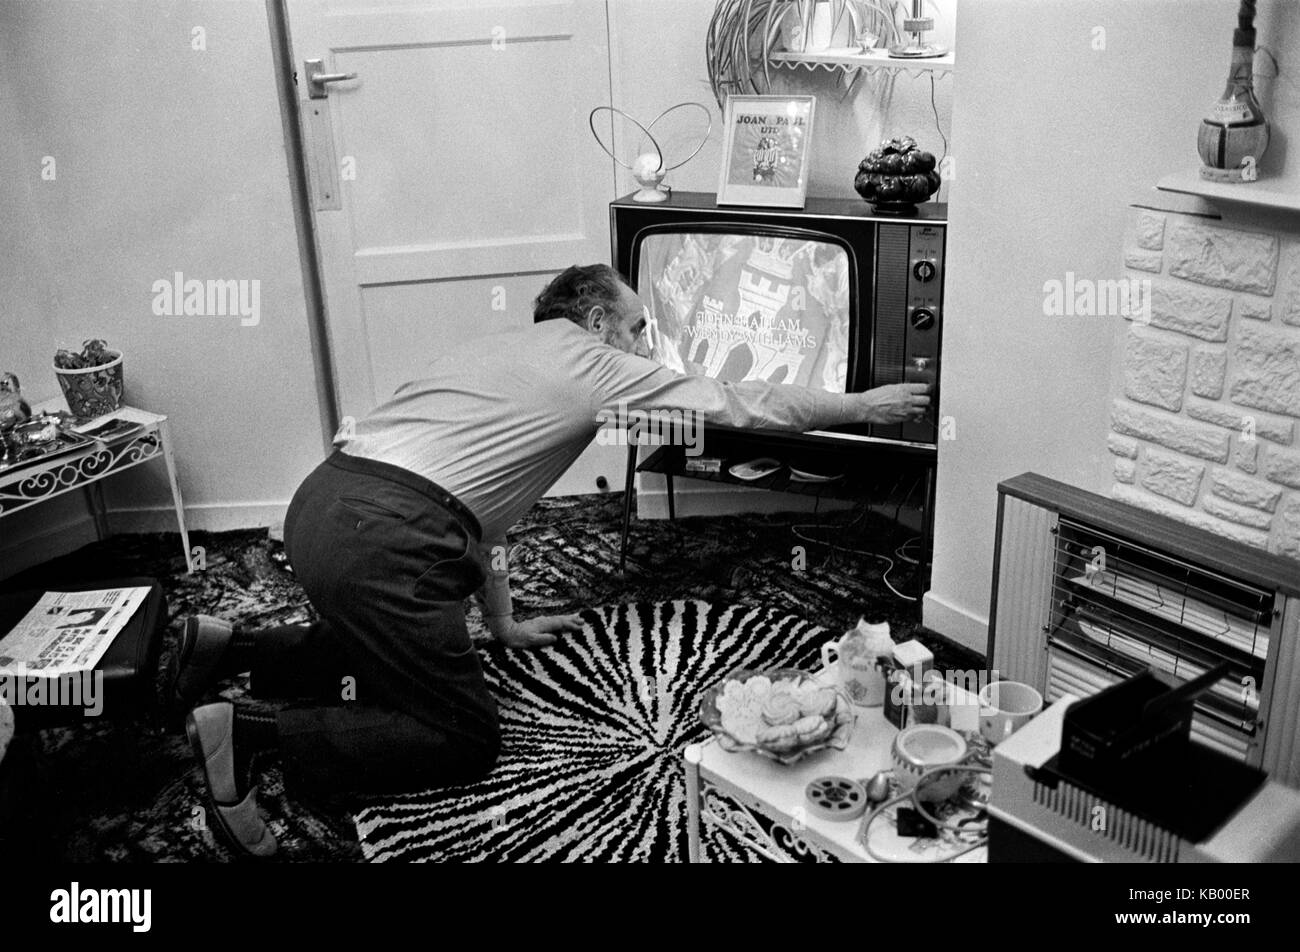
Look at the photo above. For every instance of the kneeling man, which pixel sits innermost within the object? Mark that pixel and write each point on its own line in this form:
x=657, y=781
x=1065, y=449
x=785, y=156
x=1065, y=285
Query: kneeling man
x=408, y=518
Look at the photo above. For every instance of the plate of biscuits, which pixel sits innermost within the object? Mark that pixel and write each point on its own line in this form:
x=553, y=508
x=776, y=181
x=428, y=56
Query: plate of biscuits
x=782, y=714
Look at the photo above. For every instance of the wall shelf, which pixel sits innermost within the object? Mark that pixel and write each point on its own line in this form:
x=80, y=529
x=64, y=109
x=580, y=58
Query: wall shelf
x=1278, y=192
x=870, y=61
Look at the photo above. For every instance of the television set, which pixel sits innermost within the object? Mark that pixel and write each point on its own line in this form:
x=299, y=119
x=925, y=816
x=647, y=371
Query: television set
x=831, y=296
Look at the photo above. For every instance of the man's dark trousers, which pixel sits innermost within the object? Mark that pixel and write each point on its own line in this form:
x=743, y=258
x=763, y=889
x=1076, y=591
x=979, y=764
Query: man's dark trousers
x=398, y=697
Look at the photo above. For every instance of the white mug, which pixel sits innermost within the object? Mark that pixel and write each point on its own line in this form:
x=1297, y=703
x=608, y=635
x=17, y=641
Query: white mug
x=861, y=680
x=1005, y=707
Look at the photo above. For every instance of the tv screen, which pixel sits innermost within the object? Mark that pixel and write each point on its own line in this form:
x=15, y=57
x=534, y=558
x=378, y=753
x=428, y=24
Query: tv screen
x=748, y=306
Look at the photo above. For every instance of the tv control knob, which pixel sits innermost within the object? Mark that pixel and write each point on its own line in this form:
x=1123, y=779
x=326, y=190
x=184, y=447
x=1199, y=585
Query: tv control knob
x=925, y=270
x=922, y=318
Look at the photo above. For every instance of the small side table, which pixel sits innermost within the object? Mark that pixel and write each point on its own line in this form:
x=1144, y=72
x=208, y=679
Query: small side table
x=762, y=802
x=83, y=468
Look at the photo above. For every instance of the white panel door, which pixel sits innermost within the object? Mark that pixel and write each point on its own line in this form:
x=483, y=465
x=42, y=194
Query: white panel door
x=451, y=178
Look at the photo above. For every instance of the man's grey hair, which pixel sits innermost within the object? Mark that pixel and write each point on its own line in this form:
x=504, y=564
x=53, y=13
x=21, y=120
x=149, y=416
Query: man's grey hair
x=573, y=292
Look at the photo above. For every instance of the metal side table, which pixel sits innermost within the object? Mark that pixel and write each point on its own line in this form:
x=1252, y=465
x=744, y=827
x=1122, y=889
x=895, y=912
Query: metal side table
x=83, y=467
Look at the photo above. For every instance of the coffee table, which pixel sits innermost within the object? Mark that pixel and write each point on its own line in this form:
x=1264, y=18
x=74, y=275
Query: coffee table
x=762, y=802
x=82, y=468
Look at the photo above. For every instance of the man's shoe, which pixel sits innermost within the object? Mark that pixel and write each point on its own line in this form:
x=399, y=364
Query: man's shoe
x=210, y=729
x=195, y=661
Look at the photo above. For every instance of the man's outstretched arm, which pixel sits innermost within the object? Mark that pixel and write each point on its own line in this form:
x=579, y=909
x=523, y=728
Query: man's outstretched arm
x=636, y=383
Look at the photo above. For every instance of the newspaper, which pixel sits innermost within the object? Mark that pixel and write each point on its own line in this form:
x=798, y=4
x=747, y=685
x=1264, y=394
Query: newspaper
x=68, y=632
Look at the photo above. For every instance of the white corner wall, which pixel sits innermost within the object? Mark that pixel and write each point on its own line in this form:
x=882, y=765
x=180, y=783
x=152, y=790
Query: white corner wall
x=167, y=158
x=1064, y=114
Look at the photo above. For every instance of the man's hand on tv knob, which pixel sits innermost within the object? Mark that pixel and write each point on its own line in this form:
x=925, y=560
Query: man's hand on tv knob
x=895, y=403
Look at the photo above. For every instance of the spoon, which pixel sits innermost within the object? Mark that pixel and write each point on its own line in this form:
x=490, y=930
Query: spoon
x=878, y=787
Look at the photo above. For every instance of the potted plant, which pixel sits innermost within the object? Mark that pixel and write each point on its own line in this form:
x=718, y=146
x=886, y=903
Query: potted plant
x=91, y=380
x=744, y=34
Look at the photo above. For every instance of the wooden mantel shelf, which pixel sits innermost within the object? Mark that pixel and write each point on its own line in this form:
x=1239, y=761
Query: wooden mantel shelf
x=1281, y=193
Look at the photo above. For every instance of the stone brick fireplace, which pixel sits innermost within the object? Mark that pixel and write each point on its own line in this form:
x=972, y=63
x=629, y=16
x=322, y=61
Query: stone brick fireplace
x=1204, y=427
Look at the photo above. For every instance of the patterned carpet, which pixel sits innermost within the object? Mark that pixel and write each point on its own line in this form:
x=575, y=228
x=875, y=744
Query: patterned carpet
x=592, y=734
x=591, y=768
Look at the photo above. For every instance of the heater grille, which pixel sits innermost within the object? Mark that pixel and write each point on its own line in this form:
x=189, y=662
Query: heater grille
x=1123, y=607
x=1088, y=591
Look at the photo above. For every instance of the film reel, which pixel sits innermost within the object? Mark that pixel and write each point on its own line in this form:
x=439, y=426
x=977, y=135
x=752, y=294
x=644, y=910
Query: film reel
x=836, y=798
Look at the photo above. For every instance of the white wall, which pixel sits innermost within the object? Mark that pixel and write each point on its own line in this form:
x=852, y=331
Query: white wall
x=1057, y=127
x=657, y=53
x=168, y=159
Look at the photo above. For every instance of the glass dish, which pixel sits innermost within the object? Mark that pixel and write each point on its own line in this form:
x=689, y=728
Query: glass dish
x=840, y=720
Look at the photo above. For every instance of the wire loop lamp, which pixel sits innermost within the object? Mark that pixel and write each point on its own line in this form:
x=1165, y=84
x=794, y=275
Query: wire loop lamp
x=649, y=168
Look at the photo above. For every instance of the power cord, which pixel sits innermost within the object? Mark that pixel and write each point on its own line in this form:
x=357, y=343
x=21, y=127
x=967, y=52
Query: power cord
x=889, y=563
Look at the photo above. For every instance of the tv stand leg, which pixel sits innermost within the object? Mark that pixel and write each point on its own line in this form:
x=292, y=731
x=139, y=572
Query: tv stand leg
x=629, y=487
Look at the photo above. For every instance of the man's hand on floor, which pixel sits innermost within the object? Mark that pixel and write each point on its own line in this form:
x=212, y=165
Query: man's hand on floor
x=536, y=632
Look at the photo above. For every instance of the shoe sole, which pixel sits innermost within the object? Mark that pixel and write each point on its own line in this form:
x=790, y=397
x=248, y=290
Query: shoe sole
x=232, y=841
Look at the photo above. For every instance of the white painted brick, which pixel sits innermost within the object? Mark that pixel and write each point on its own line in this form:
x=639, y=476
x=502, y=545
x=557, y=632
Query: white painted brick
x=1246, y=517
x=1189, y=310
x=1246, y=423
x=1142, y=260
x=1173, y=476
x=1286, y=538
x=1136, y=497
x=1155, y=371
x=1254, y=309
x=1149, y=232
x=1190, y=438
x=1290, y=302
x=1222, y=257
x=1243, y=490
x=1246, y=456
x=1266, y=370
x=1125, y=470
x=1282, y=466
x=1209, y=364
x=1122, y=445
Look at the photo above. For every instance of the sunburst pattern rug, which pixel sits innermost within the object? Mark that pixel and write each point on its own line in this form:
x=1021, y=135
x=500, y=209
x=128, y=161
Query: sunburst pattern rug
x=592, y=737
x=115, y=791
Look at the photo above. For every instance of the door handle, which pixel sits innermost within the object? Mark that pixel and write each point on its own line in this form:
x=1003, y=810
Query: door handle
x=317, y=79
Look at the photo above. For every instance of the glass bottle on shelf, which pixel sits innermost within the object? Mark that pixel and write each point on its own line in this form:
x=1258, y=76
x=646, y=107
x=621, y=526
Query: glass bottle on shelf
x=1234, y=134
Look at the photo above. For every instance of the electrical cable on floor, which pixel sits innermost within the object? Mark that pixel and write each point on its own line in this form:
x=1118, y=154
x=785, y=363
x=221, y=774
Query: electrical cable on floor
x=862, y=516
x=901, y=552
x=889, y=567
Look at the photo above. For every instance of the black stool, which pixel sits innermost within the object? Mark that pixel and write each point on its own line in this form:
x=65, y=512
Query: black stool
x=129, y=667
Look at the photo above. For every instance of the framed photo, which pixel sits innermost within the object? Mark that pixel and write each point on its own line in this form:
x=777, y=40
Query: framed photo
x=766, y=150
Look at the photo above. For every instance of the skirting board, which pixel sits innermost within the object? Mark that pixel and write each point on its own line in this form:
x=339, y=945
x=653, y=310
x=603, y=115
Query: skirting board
x=653, y=504
x=697, y=497
x=205, y=517
x=959, y=625
x=49, y=543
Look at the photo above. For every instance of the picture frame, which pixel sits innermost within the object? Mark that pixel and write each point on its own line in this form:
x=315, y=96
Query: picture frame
x=766, y=150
